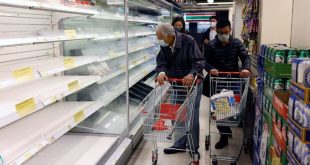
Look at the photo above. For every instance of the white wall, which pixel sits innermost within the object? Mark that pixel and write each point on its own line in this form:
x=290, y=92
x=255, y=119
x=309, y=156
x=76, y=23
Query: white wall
x=276, y=21
x=238, y=22
x=301, y=24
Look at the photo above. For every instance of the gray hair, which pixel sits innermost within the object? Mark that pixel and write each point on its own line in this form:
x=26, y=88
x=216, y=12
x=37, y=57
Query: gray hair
x=165, y=29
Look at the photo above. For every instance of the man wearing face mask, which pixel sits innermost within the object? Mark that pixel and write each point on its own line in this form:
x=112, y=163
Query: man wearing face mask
x=180, y=57
x=223, y=54
x=211, y=32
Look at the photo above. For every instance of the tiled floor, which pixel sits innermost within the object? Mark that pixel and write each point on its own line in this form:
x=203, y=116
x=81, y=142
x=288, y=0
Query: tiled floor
x=142, y=155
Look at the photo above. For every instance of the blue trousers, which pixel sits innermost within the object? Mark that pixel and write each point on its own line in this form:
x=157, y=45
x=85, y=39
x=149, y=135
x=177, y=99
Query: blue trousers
x=181, y=143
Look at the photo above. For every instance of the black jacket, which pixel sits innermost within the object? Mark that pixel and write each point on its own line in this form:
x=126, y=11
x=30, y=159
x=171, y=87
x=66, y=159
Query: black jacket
x=206, y=35
x=185, y=59
x=226, y=58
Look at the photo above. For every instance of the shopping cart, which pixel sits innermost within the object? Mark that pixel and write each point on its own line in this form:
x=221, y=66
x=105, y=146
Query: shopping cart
x=227, y=105
x=168, y=113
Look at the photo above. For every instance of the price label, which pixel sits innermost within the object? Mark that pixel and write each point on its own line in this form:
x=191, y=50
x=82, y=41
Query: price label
x=71, y=34
x=23, y=74
x=74, y=85
x=112, y=53
x=69, y=62
x=27, y=155
x=26, y=107
x=117, y=35
x=78, y=117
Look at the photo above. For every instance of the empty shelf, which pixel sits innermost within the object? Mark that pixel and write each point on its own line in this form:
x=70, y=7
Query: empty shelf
x=78, y=150
x=47, y=6
x=24, y=99
x=22, y=139
x=13, y=73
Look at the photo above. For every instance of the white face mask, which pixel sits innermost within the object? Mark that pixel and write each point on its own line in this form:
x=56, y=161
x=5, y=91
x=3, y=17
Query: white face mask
x=213, y=24
x=223, y=37
x=162, y=43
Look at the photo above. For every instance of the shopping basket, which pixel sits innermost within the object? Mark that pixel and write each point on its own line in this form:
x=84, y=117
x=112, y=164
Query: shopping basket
x=168, y=114
x=227, y=104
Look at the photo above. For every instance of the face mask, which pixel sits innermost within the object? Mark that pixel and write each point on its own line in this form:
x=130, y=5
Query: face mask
x=162, y=43
x=223, y=37
x=213, y=24
x=178, y=29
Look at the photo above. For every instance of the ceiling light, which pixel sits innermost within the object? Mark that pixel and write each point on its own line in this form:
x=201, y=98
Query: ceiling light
x=210, y=1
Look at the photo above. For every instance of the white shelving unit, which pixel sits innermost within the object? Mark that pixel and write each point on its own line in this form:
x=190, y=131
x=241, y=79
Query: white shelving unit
x=36, y=79
x=24, y=138
x=17, y=72
x=79, y=150
x=47, y=6
x=23, y=100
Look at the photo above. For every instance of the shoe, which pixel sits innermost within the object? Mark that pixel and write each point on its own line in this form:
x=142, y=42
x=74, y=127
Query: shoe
x=222, y=143
x=196, y=152
x=173, y=150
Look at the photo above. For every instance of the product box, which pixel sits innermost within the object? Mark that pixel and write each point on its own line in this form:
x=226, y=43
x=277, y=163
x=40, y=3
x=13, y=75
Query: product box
x=300, y=91
x=278, y=70
x=280, y=103
x=299, y=131
x=291, y=157
x=301, y=71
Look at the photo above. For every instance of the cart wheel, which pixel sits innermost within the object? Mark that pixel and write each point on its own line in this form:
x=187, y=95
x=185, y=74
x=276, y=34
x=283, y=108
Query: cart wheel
x=214, y=162
x=207, y=142
x=233, y=163
x=154, y=157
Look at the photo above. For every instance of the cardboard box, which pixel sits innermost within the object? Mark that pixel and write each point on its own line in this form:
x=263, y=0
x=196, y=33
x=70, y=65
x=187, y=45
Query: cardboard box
x=299, y=131
x=278, y=70
x=280, y=103
x=300, y=91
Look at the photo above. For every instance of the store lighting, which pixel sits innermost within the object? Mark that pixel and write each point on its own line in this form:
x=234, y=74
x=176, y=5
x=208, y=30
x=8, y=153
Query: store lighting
x=210, y=1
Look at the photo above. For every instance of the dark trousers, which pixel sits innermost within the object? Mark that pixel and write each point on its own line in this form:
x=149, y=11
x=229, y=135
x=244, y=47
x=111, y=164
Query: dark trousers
x=224, y=130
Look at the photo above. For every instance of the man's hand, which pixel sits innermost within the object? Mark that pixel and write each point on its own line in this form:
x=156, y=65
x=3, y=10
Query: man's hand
x=188, y=80
x=206, y=41
x=161, y=78
x=245, y=73
x=214, y=72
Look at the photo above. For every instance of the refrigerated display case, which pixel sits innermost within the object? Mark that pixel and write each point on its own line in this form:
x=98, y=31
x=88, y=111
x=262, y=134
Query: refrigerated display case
x=72, y=76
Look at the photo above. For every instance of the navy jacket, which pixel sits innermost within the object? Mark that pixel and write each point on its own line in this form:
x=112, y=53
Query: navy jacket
x=185, y=59
x=226, y=58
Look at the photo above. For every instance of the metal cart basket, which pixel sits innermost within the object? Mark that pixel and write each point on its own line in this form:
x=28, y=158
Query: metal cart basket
x=168, y=114
x=227, y=104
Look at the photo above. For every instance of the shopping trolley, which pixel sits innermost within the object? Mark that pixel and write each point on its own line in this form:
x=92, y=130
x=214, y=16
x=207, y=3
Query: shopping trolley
x=168, y=113
x=227, y=105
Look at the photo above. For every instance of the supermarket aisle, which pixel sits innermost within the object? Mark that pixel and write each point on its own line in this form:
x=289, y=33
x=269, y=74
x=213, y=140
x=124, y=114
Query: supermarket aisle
x=142, y=154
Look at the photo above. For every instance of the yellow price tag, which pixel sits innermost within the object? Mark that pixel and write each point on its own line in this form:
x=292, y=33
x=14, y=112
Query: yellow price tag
x=27, y=155
x=112, y=53
x=71, y=34
x=53, y=99
x=26, y=107
x=69, y=62
x=23, y=74
x=78, y=117
x=74, y=85
x=117, y=34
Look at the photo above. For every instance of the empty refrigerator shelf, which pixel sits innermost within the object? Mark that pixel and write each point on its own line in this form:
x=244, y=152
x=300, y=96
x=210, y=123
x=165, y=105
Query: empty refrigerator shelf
x=47, y=6
x=118, y=35
x=120, y=18
x=122, y=69
x=120, y=88
x=21, y=140
x=17, y=72
x=23, y=99
x=112, y=54
x=43, y=39
x=78, y=150
x=110, y=119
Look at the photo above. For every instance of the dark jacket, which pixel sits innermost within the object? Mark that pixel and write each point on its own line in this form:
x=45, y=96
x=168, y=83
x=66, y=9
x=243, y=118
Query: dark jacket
x=226, y=58
x=185, y=59
x=206, y=35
